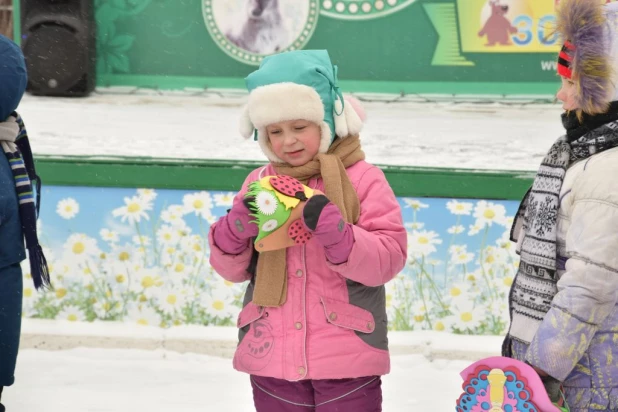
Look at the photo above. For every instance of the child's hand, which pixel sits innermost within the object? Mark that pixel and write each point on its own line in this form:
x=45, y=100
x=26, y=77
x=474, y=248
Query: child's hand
x=233, y=230
x=553, y=387
x=324, y=220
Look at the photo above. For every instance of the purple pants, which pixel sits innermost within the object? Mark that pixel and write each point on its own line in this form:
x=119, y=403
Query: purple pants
x=328, y=395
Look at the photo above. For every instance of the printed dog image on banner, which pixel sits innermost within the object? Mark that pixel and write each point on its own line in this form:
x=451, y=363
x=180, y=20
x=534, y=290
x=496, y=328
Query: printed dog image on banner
x=249, y=30
x=260, y=28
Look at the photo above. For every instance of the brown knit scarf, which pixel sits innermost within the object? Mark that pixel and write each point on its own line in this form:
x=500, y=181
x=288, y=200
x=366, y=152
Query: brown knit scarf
x=271, y=279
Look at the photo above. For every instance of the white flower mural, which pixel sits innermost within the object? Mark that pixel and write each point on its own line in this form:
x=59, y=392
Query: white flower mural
x=143, y=258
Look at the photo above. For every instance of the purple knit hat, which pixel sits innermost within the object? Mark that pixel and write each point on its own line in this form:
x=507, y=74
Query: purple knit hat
x=590, y=30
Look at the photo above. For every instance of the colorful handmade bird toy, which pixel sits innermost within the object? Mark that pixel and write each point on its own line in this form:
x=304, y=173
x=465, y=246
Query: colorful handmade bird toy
x=277, y=203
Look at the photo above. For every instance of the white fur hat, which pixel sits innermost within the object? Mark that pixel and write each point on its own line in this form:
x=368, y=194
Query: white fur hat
x=298, y=85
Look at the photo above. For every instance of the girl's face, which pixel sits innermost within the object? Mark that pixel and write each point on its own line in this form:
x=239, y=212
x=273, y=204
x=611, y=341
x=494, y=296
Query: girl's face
x=566, y=94
x=296, y=142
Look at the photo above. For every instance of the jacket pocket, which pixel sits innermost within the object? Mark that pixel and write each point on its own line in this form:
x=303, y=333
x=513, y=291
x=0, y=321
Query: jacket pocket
x=348, y=316
x=249, y=314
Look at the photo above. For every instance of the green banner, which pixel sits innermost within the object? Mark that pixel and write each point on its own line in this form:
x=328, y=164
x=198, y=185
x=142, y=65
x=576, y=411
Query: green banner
x=411, y=46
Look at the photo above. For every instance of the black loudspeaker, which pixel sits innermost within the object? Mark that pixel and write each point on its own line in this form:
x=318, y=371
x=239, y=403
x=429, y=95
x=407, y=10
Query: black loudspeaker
x=58, y=42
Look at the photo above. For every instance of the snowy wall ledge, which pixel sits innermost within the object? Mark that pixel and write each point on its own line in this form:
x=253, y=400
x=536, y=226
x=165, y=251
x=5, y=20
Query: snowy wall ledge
x=221, y=340
x=228, y=175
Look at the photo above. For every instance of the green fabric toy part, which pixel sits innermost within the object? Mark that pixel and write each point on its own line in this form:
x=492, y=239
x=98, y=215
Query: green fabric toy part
x=276, y=204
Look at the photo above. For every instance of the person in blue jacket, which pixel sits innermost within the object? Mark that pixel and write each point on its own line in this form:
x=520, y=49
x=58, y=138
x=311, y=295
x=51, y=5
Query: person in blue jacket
x=18, y=209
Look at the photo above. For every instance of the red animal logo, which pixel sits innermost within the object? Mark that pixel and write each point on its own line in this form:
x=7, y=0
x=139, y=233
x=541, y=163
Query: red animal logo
x=497, y=27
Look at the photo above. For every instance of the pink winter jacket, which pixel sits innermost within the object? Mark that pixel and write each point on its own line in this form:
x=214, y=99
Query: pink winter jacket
x=333, y=324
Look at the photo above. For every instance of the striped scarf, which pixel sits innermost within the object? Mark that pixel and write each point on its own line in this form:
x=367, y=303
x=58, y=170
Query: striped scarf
x=14, y=141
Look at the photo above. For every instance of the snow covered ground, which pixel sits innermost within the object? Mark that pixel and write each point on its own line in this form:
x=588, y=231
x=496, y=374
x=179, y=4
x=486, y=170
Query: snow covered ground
x=120, y=380
x=90, y=373
x=438, y=134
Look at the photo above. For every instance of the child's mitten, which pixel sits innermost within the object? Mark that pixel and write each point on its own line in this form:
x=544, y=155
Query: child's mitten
x=323, y=219
x=553, y=387
x=233, y=231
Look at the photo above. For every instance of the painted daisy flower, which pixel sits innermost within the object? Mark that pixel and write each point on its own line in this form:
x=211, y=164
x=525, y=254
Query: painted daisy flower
x=147, y=281
x=109, y=235
x=170, y=301
x=473, y=277
x=71, y=313
x=182, y=229
x=194, y=245
x=134, y=210
x=118, y=276
x=173, y=215
x=467, y=316
x=414, y=225
x=219, y=304
x=224, y=199
x=124, y=254
x=415, y=204
x=106, y=308
x=167, y=235
x=60, y=292
x=179, y=269
x=168, y=254
x=266, y=203
x=141, y=240
x=488, y=213
x=474, y=229
x=457, y=249
x=458, y=291
x=455, y=230
x=423, y=243
x=147, y=194
x=67, y=208
x=442, y=325
x=462, y=258
x=420, y=311
x=199, y=203
x=81, y=247
x=494, y=256
x=144, y=315
x=459, y=208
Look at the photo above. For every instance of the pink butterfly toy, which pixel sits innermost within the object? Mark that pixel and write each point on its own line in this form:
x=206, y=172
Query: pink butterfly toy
x=499, y=384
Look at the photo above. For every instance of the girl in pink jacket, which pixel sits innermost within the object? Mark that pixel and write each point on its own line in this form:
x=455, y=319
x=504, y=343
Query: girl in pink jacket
x=313, y=330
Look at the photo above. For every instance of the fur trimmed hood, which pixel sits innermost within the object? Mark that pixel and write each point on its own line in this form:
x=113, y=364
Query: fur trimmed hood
x=589, y=30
